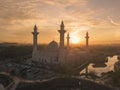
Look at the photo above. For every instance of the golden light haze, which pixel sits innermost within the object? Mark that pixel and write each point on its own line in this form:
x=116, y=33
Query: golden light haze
x=101, y=18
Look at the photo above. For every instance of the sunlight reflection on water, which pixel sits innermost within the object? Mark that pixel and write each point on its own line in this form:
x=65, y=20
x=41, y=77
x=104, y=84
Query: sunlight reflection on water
x=109, y=67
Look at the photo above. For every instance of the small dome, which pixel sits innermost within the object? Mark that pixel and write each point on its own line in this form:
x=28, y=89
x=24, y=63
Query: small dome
x=53, y=45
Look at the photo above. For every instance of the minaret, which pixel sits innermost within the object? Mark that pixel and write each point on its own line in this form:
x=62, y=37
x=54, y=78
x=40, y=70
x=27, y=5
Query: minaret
x=68, y=39
x=62, y=31
x=35, y=33
x=87, y=40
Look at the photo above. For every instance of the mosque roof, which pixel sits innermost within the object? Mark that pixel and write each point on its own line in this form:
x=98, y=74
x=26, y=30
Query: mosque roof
x=53, y=45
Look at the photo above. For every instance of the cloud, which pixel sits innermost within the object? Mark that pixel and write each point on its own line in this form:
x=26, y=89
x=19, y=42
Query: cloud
x=17, y=17
x=112, y=22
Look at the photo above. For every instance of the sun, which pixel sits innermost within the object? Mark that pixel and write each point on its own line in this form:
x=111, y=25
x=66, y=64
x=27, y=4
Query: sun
x=75, y=39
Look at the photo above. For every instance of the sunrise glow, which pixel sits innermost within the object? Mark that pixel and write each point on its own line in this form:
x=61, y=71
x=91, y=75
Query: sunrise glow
x=79, y=16
x=75, y=40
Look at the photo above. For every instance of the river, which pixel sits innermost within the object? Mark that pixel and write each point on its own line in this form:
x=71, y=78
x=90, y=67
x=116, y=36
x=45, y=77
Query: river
x=99, y=70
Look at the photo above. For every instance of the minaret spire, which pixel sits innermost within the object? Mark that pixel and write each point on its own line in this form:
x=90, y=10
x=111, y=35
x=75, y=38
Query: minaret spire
x=35, y=28
x=62, y=25
x=87, y=40
x=62, y=31
x=35, y=34
x=68, y=41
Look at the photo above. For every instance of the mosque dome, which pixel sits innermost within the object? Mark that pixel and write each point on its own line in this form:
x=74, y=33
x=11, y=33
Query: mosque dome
x=53, y=45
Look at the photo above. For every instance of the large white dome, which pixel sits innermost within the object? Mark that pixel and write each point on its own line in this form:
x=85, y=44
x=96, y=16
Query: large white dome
x=53, y=45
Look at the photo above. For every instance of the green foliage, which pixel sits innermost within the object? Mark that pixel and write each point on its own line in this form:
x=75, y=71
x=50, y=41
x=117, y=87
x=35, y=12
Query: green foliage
x=9, y=52
x=118, y=72
x=93, y=75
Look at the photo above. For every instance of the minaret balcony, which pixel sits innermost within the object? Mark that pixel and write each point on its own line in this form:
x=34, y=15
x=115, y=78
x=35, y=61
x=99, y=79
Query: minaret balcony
x=35, y=33
x=61, y=31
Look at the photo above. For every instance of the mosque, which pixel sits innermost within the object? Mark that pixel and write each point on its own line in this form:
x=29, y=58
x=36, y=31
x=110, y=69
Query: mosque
x=55, y=53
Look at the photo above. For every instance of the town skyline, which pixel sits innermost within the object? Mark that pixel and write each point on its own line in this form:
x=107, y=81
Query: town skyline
x=99, y=18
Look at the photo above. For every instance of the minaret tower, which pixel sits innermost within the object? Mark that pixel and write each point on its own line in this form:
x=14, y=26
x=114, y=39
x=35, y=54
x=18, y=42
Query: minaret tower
x=62, y=31
x=35, y=33
x=87, y=40
x=68, y=41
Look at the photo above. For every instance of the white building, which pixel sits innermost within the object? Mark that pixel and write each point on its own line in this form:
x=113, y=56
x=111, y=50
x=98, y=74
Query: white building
x=54, y=53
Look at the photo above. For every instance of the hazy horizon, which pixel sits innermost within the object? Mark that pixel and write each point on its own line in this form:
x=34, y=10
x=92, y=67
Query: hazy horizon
x=71, y=44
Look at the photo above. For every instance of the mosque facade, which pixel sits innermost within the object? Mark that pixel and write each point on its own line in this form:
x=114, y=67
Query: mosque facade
x=55, y=53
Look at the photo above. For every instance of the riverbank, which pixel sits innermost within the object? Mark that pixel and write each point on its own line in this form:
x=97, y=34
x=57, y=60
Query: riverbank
x=63, y=83
x=60, y=82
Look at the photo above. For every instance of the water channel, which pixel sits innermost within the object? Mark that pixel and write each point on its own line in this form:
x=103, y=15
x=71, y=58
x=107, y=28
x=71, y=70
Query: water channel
x=99, y=70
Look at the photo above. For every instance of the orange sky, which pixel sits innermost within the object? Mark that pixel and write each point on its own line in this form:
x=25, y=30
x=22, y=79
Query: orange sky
x=101, y=18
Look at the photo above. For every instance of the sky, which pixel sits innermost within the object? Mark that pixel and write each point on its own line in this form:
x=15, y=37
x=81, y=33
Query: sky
x=101, y=18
